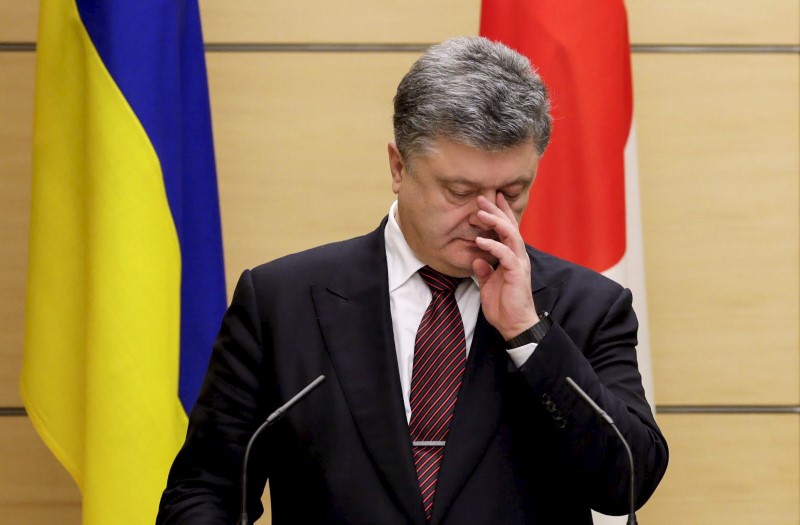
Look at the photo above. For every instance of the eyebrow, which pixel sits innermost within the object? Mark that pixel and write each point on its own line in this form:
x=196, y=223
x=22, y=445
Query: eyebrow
x=521, y=180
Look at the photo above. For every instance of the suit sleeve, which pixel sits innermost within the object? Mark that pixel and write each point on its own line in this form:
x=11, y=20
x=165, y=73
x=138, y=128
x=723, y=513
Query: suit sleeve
x=605, y=367
x=204, y=482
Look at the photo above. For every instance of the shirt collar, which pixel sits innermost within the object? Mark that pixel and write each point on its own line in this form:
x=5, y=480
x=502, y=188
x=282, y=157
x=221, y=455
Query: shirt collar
x=400, y=259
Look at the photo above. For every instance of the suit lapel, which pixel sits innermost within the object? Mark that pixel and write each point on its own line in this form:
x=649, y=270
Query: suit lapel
x=479, y=406
x=354, y=316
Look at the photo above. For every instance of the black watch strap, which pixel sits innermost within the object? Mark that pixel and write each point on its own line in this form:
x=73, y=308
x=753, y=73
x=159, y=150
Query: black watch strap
x=534, y=334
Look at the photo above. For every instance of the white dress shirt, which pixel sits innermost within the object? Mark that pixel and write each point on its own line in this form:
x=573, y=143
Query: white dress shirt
x=409, y=297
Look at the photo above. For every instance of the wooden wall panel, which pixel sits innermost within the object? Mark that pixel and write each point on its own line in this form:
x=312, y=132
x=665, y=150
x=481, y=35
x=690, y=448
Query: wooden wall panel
x=714, y=21
x=731, y=469
x=718, y=150
x=16, y=114
x=34, y=488
x=265, y=518
x=18, y=20
x=650, y=21
x=301, y=148
x=355, y=21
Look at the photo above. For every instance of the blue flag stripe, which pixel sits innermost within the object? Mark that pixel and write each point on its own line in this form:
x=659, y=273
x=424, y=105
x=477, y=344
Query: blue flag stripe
x=154, y=52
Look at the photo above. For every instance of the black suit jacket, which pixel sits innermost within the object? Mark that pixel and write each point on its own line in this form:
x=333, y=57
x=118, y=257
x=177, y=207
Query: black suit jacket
x=522, y=448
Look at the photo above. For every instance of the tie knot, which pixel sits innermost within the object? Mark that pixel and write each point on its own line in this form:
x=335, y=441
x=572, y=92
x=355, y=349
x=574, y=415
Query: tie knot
x=438, y=282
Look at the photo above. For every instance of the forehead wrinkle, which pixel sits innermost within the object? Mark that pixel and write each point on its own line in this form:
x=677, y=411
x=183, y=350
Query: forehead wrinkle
x=523, y=180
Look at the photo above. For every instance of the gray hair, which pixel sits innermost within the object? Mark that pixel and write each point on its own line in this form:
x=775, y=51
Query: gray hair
x=472, y=91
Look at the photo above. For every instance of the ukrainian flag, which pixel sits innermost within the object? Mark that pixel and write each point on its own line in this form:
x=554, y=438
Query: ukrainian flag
x=126, y=286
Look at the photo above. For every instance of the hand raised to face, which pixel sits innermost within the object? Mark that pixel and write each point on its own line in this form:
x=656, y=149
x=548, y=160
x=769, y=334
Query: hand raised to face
x=506, y=297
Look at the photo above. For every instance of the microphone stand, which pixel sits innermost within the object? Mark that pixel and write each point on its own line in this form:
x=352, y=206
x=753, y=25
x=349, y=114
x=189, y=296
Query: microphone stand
x=275, y=416
x=607, y=419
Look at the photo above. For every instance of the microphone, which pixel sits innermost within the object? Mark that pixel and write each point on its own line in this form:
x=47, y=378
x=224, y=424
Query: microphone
x=607, y=419
x=275, y=416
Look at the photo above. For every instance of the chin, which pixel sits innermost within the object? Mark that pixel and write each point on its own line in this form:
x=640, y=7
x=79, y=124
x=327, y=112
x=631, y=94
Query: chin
x=461, y=265
x=454, y=267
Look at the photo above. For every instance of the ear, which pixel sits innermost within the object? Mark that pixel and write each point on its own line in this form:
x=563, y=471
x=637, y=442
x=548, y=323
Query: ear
x=396, y=166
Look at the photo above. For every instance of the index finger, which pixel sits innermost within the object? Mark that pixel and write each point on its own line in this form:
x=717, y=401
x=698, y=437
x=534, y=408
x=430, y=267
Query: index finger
x=505, y=207
x=502, y=223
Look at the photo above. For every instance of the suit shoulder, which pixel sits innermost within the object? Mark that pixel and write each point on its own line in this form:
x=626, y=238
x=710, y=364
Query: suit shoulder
x=321, y=260
x=554, y=270
x=585, y=298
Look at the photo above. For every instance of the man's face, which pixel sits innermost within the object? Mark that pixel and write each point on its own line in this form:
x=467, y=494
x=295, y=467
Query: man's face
x=437, y=194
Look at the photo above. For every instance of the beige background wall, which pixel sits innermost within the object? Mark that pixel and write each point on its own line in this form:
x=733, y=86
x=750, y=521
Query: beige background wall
x=300, y=136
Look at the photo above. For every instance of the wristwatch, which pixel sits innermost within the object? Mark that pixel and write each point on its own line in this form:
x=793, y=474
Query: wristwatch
x=534, y=334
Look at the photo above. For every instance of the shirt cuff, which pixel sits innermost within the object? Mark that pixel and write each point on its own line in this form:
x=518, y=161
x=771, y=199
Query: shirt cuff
x=521, y=354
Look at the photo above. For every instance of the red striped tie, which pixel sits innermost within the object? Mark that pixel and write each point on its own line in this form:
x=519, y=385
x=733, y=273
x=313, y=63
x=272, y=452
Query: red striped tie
x=440, y=354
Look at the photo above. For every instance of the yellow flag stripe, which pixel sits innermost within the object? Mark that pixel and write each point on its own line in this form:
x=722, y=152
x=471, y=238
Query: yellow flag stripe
x=100, y=368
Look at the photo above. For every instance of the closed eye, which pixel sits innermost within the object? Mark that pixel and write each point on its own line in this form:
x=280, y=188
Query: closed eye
x=513, y=192
x=459, y=193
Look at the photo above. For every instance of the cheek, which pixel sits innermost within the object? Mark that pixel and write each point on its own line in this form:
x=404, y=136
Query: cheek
x=442, y=224
x=457, y=222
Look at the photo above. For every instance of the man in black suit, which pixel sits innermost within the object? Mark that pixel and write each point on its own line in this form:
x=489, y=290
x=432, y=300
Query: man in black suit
x=517, y=445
